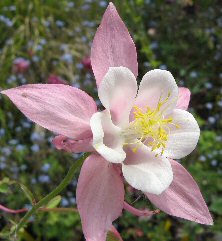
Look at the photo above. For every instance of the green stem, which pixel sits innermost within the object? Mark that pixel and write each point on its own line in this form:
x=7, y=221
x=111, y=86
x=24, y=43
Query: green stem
x=74, y=168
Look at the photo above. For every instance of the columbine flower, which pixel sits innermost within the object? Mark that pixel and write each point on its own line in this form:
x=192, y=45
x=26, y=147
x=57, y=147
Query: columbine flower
x=135, y=136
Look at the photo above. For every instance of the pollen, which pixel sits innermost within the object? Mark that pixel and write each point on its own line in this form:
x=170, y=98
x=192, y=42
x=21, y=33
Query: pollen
x=151, y=127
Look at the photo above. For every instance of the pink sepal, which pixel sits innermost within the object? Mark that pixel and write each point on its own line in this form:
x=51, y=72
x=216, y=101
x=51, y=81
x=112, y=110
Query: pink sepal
x=112, y=46
x=100, y=197
x=183, y=98
x=183, y=198
x=63, y=109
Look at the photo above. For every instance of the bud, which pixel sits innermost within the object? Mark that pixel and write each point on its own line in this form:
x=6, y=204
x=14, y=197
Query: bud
x=55, y=79
x=20, y=65
x=87, y=63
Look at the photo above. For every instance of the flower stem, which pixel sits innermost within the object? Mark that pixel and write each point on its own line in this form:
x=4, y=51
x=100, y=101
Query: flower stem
x=8, y=210
x=74, y=168
x=24, y=210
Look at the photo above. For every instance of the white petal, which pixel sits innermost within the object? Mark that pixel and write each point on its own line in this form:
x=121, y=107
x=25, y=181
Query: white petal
x=145, y=172
x=157, y=85
x=183, y=140
x=117, y=93
x=107, y=138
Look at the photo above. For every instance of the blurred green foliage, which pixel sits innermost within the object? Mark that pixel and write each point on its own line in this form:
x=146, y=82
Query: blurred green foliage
x=183, y=36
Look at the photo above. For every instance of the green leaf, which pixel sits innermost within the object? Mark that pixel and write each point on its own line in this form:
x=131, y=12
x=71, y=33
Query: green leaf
x=27, y=192
x=216, y=206
x=4, y=185
x=6, y=182
x=54, y=202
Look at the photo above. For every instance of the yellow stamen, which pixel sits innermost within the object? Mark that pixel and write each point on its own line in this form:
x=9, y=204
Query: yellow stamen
x=150, y=127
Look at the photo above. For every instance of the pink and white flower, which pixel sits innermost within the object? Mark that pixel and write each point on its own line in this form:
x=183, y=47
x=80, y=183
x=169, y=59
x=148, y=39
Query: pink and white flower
x=137, y=136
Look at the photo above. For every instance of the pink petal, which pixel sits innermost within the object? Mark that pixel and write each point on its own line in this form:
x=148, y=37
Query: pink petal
x=183, y=98
x=59, y=108
x=100, y=197
x=183, y=198
x=76, y=146
x=112, y=46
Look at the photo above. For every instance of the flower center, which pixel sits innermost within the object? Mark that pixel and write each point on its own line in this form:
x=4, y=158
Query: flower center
x=150, y=127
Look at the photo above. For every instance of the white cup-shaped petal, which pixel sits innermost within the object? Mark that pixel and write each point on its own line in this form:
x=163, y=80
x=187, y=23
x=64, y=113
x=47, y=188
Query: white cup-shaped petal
x=107, y=138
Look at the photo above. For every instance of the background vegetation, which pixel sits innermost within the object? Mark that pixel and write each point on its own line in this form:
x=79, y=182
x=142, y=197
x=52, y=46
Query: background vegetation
x=52, y=39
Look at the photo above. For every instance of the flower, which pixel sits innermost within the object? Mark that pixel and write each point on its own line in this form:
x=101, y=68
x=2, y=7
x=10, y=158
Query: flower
x=87, y=63
x=20, y=65
x=136, y=136
x=55, y=79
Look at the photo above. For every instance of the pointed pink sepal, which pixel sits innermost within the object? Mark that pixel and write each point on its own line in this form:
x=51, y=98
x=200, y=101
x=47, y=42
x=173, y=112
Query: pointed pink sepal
x=183, y=98
x=183, y=198
x=112, y=46
x=100, y=197
x=60, y=108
